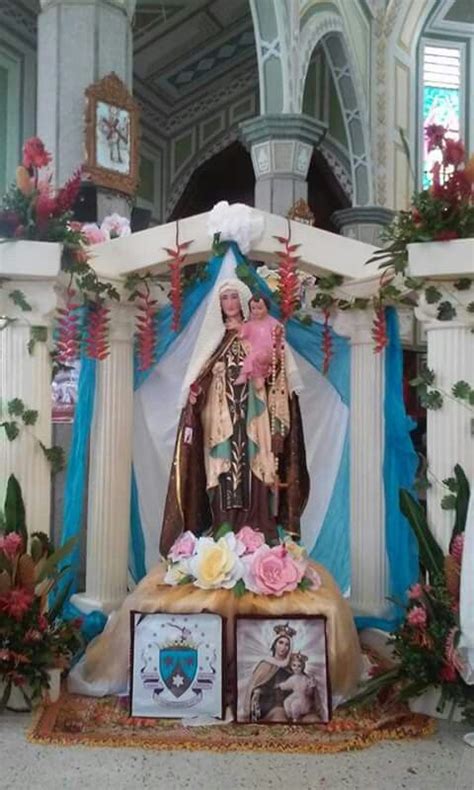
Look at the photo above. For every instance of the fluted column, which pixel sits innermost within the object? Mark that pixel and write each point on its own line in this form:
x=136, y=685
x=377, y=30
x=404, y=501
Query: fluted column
x=369, y=581
x=26, y=374
x=450, y=429
x=108, y=515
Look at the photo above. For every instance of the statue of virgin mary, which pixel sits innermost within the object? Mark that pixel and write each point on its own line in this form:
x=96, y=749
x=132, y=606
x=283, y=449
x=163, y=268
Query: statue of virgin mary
x=227, y=464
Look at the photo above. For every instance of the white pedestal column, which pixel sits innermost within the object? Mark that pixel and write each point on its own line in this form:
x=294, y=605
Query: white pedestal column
x=369, y=584
x=108, y=515
x=28, y=377
x=450, y=429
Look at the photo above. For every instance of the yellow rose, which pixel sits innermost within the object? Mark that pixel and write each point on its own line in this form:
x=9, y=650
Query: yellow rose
x=297, y=552
x=216, y=564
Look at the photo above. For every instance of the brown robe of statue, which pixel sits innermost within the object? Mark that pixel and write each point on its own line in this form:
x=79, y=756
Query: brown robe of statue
x=240, y=497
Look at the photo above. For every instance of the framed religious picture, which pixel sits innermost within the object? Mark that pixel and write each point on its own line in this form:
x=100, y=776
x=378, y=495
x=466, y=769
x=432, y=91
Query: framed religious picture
x=282, y=670
x=176, y=665
x=64, y=388
x=112, y=134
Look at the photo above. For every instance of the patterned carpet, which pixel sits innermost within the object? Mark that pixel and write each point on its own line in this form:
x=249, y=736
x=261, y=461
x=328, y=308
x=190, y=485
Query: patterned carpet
x=77, y=720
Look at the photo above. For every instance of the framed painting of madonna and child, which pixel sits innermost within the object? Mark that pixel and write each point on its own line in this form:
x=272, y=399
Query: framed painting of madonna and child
x=282, y=670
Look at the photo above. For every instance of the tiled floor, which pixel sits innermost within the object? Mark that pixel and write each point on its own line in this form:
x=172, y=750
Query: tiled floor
x=442, y=762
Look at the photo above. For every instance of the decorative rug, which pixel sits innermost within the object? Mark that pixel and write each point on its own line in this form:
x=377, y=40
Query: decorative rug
x=77, y=720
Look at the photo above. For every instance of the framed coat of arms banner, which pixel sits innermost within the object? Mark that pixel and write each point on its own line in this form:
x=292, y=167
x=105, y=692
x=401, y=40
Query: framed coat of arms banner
x=176, y=665
x=112, y=133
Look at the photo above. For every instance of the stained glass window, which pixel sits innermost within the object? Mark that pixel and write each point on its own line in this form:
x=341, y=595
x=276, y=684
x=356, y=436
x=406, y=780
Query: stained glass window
x=441, y=97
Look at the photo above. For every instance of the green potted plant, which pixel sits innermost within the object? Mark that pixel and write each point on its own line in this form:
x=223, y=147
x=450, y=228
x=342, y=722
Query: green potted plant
x=36, y=644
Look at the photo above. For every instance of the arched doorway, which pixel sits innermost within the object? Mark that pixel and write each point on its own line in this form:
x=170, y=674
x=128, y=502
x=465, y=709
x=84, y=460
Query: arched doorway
x=325, y=194
x=227, y=175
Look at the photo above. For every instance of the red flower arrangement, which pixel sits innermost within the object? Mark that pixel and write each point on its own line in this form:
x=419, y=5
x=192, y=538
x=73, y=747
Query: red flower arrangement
x=33, y=638
x=443, y=212
x=425, y=643
x=32, y=209
x=289, y=285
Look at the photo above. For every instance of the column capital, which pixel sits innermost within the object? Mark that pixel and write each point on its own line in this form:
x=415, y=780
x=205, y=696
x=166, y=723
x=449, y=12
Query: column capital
x=356, y=325
x=363, y=222
x=127, y=6
x=452, y=300
x=40, y=295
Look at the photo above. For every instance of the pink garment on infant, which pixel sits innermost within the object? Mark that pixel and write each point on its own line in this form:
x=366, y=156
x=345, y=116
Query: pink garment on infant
x=259, y=334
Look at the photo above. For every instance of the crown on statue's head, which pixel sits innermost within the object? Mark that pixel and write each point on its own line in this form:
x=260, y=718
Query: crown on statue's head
x=284, y=630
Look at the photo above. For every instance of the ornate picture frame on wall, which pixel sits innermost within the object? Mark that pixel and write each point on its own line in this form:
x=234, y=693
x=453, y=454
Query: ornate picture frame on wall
x=112, y=135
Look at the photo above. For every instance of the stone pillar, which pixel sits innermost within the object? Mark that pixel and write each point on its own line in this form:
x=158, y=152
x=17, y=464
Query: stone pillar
x=108, y=515
x=364, y=223
x=25, y=373
x=79, y=42
x=369, y=584
x=450, y=429
x=281, y=148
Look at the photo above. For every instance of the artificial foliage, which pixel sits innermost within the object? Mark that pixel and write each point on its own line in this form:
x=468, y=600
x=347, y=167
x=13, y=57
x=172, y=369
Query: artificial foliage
x=33, y=637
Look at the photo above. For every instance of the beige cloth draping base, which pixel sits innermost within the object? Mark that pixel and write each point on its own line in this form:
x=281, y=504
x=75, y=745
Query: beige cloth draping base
x=105, y=667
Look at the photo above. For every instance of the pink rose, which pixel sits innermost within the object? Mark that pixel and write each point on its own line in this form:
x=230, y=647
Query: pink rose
x=415, y=591
x=271, y=571
x=251, y=539
x=114, y=226
x=417, y=616
x=183, y=548
x=11, y=545
x=93, y=234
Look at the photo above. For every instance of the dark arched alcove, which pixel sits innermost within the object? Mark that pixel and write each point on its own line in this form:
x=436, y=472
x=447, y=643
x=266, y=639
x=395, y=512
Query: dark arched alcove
x=325, y=195
x=227, y=175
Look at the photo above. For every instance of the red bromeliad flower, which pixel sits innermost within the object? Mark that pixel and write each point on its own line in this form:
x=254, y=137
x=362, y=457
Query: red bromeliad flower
x=435, y=134
x=67, y=195
x=11, y=545
x=16, y=602
x=35, y=154
x=288, y=287
x=327, y=342
x=96, y=342
x=457, y=547
x=145, y=336
x=67, y=343
x=176, y=264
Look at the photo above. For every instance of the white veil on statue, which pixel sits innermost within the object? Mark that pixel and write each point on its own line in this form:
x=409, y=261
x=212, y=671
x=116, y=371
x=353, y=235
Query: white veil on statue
x=159, y=400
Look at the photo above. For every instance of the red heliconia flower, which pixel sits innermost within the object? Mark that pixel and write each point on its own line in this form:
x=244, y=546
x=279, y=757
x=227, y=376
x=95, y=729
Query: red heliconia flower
x=435, y=134
x=288, y=286
x=379, y=330
x=97, y=329
x=67, y=342
x=145, y=335
x=176, y=264
x=35, y=154
x=67, y=195
x=453, y=153
x=327, y=343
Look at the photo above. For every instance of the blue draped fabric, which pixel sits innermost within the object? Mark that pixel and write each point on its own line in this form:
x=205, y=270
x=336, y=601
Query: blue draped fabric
x=399, y=470
x=333, y=544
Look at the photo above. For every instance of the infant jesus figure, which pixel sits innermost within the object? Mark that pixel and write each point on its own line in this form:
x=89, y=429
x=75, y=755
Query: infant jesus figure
x=304, y=696
x=259, y=333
